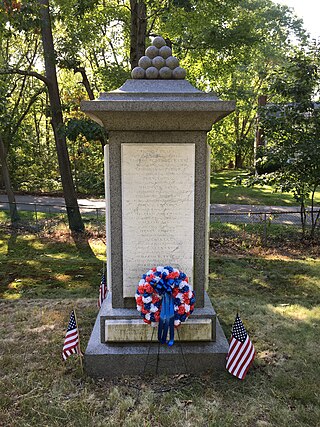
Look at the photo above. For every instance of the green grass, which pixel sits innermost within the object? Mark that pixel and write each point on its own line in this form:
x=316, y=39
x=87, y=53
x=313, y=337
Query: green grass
x=224, y=189
x=50, y=266
x=276, y=291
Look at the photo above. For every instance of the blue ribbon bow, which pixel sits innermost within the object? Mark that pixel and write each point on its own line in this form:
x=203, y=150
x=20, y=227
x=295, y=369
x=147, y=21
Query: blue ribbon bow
x=166, y=321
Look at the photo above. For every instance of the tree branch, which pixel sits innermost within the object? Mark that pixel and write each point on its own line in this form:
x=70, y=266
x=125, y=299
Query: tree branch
x=26, y=111
x=85, y=81
x=25, y=73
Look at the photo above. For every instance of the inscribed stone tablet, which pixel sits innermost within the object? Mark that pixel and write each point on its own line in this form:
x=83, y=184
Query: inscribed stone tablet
x=157, y=209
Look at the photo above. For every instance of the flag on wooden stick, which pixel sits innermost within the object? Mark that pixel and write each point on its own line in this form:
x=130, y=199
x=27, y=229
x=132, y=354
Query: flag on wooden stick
x=103, y=289
x=241, y=350
x=71, y=342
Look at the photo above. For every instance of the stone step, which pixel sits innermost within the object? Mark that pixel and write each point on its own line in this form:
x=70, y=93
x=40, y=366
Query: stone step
x=123, y=324
x=107, y=360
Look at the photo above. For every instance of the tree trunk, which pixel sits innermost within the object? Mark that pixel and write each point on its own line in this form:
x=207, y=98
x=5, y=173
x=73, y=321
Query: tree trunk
x=74, y=217
x=238, y=164
x=1, y=178
x=138, y=31
x=85, y=81
x=303, y=217
x=7, y=184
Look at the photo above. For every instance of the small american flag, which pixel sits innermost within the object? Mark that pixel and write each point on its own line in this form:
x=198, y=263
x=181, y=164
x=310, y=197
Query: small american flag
x=103, y=290
x=71, y=342
x=241, y=350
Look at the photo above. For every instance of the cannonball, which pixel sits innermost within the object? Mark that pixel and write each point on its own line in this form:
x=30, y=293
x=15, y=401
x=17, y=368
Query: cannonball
x=152, y=51
x=158, y=62
x=152, y=73
x=144, y=62
x=158, y=42
x=165, y=52
x=172, y=62
x=165, y=73
x=179, y=73
x=138, y=73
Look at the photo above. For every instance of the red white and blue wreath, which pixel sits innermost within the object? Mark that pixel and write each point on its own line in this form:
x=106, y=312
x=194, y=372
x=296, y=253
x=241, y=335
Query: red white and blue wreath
x=164, y=298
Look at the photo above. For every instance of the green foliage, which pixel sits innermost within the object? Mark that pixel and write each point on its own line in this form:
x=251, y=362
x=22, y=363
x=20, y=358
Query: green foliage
x=292, y=131
x=97, y=39
x=85, y=127
x=229, y=47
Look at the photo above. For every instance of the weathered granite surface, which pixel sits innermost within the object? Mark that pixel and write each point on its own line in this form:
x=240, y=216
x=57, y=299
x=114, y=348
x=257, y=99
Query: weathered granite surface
x=166, y=105
x=120, y=324
x=158, y=112
x=116, y=360
x=115, y=207
x=157, y=209
x=135, y=330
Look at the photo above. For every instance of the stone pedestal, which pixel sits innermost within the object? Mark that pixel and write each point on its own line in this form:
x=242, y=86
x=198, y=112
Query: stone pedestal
x=157, y=203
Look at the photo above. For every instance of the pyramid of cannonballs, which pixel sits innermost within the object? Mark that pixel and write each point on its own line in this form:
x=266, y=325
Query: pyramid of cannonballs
x=158, y=63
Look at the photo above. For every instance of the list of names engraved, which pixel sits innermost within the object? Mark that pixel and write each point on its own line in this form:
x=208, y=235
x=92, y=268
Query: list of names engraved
x=157, y=209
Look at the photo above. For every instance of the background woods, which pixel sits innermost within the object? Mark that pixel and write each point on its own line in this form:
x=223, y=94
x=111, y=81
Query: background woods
x=50, y=59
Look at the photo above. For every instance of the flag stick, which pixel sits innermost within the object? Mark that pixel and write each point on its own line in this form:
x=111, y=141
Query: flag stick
x=80, y=352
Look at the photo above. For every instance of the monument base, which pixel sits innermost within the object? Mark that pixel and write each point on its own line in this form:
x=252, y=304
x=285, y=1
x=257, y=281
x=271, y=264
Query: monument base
x=106, y=360
x=120, y=325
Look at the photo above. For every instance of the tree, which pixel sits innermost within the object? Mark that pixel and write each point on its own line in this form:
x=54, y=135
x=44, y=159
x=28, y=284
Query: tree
x=231, y=47
x=74, y=217
x=7, y=183
x=26, y=19
x=17, y=97
x=292, y=131
x=138, y=31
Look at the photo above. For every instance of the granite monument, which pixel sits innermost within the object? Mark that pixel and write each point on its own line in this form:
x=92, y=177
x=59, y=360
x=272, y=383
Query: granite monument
x=157, y=174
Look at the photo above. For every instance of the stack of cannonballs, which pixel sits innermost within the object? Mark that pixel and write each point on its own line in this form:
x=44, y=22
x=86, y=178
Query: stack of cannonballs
x=158, y=63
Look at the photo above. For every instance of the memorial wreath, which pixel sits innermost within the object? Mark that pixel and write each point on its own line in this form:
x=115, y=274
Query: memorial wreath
x=164, y=298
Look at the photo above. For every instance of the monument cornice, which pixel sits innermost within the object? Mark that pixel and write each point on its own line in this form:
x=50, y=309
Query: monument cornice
x=157, y=105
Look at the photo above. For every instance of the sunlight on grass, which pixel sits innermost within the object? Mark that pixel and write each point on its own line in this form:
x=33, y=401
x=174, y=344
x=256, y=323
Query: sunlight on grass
x=297, y=312
x=3, y=216
x=32, y=263
x=99, y=249
x=258, y=281
x=234, y=227
x=225, y=188
x=16, y=284
x=42, y=266
x=4, y=244
x=62, y=256
x=37, y=245
x=10, y=295
x=62, y=277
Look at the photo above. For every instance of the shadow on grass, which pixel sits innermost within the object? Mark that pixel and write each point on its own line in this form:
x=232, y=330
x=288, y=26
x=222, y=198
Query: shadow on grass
x=82, y=243
x=12, y=241
x=278, y=279
x=226, y=189
x=285, y=337
x=279, y=390
x=34, y=266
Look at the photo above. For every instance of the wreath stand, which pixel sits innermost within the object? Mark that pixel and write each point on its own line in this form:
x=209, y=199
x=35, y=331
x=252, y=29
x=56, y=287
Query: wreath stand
x=156, y=364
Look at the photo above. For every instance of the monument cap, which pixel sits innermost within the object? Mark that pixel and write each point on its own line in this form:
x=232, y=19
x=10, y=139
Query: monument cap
x=158, y=56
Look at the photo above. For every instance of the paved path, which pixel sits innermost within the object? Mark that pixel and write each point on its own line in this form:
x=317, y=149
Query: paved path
x=248, y=214
x=56, y=204
x=234, y=208
x=218, y=212
x=50, y=204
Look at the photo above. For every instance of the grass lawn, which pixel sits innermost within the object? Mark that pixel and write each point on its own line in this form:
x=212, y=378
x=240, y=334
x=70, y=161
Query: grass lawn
x=224, y=189
x=42, y=277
